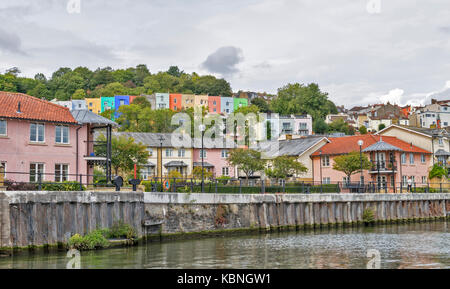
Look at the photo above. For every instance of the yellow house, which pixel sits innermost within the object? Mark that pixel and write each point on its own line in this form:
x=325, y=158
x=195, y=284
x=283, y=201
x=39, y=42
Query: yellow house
x=187, y=100
x=94, y=105
x=201, y=100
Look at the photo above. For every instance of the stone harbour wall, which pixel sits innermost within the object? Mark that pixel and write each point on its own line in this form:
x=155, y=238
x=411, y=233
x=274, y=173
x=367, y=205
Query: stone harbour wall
x=209, y=213
x=29, y=219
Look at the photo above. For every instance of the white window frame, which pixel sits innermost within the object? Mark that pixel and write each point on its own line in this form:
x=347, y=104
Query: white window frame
x=37, y=125
x=411, y=158
x=36, y=169
x=62, y=127
x=181, y=153
x=423, y=158
x=403, y=158
x=169, y=152
x=326, y=180
x=326, y=161
x=224, y=153
x=225, y=171
x=204, y=154
x=6, y=127
x=62, y=177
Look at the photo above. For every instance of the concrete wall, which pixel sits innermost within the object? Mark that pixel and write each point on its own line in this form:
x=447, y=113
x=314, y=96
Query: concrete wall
x=40, y=218
x=185, y=213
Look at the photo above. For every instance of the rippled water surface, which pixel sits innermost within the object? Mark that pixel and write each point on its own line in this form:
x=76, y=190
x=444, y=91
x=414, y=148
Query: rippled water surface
x=422, y=245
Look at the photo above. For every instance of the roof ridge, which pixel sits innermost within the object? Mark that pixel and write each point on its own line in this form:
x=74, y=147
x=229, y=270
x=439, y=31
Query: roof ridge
x=37, y=98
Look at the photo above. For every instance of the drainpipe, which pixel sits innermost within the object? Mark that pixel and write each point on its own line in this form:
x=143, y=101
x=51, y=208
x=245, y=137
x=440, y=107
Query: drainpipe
x=76, y=161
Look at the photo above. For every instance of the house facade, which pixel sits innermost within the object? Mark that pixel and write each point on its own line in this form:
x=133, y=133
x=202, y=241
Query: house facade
x=393, y=161
x=175, y=101
x=162, y=101
x=41, y=139
x=94, y=105
x=214, y=104
x=226, y=105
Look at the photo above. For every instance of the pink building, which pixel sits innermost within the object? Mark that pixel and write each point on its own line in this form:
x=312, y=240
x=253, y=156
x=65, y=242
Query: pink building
x=393, y=161
x=214, y=104
x=38, y=137
x=214, y=159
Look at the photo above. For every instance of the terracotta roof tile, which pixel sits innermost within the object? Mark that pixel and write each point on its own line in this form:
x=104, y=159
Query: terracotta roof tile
x=347, y=144
x=32, y=108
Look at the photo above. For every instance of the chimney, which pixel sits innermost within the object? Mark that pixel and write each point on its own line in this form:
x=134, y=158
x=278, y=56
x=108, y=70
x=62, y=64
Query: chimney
x=18, y=108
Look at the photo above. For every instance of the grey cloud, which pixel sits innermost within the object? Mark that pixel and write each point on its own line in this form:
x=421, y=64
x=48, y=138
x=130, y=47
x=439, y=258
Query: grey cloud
x=224, y=60
x=10, y=42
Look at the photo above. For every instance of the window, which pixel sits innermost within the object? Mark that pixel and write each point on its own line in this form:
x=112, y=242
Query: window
x=202, y=152
x=422, y=158
x=62, y=134
x=411, y=158
x=214, y=110
x=181, y=153
x=224, y=154
x=150, y=152
x=441, y=141
x=90, y=104
x=225, y=171
x=326, y=180
x=326, y=161
x=35, y=170
x=37, y=132
x=3, y=130
x=175, y=107
x=61, y=172
x=147, y=172
x=424, y=179
x=405, y=181
x=345, y=180
x=403, y=158
x=174, y=100
x=121, y=102
x=168, y=152
x=214, y=102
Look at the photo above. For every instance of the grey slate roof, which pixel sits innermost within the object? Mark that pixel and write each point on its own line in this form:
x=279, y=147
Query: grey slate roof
x=84, y=116
x=175, y=164
x=381, y=146
x=294, y=147
x=427, y=131
x=441, y=152
x=205, y=164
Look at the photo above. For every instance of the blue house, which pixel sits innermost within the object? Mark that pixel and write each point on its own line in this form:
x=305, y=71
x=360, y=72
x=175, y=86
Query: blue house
x=120, y=100
x=226, y=104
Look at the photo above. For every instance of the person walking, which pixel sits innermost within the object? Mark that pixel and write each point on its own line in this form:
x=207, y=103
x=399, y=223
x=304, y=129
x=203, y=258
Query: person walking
x=409, y=185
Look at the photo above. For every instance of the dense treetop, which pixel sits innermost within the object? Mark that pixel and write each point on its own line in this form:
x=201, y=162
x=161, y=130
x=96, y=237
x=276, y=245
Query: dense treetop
x=81, y=82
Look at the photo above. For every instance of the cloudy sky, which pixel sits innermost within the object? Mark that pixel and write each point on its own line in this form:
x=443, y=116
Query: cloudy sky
x=356, y=50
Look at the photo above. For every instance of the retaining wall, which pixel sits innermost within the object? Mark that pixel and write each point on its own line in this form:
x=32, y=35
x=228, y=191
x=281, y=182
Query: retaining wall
x=49, y=218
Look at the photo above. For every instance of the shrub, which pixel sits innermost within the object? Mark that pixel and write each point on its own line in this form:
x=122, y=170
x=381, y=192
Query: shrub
x=19, y=186
x=121, y=230
x=91, y=241
x=368, y=216
x=64, y=186
x=437, y=172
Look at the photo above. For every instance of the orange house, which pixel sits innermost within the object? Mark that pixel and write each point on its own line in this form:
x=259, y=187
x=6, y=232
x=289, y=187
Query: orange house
x=175, y=101
x=214, y=104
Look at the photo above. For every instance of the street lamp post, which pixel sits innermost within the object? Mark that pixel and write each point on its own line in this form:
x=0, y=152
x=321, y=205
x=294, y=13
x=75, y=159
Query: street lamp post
x=161, y=139
x=361, y=179
x=202, y=130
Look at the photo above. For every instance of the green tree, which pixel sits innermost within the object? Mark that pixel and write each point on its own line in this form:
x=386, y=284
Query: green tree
x=350, y=163
x=262, y=104
x=362, y=130
x=247, y=160
x=320, y=126
x=300, y=99
x=285, y=166
x=437, y=171
x=197, y=173
x=340, y=125
x=79, y=94
x=123, y=154
x=381, y=126
x=175, y=71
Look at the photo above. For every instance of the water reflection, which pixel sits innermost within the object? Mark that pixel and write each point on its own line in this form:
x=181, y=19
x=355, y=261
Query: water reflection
x=421, y=245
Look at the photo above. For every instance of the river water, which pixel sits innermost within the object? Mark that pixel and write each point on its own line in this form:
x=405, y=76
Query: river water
x=419, y=245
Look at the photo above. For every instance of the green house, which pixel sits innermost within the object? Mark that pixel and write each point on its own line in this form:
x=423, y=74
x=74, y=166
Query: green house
x=239, y=102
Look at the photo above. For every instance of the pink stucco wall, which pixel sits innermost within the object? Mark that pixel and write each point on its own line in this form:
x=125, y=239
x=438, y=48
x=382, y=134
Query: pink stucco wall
x=214, y=157
x=18, y=152
x=418, y=170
